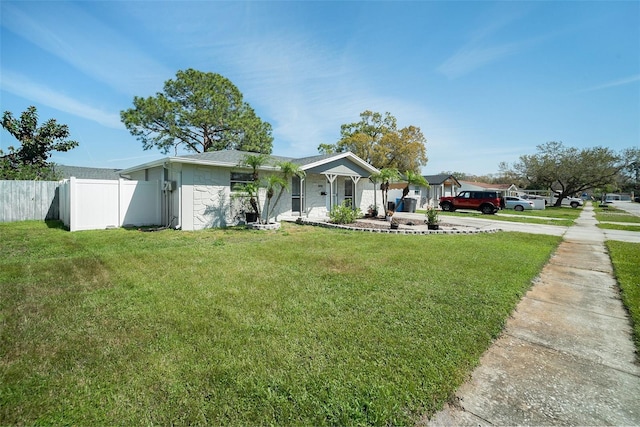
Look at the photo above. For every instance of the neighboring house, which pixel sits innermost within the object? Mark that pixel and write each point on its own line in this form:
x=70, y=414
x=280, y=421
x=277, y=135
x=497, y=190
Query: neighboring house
x=79, y=172
x=504, y=189
x=197, y=188
x=610, y=197
x=439, y=185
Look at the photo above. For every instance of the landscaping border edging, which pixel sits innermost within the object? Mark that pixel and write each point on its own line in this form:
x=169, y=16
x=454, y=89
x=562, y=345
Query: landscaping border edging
x=304, y=221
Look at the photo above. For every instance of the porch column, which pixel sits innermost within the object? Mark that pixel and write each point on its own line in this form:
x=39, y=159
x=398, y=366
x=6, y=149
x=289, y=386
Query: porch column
x=331, y=177
x=355, y=180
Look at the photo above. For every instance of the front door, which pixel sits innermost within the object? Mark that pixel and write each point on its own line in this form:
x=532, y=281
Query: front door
x=348, y=191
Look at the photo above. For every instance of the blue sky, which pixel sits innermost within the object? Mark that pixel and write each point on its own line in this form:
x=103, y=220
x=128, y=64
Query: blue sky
x=485, y=81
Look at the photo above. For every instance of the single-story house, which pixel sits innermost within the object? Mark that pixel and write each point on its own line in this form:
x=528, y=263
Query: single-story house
x=198, y=189
x=439, y=185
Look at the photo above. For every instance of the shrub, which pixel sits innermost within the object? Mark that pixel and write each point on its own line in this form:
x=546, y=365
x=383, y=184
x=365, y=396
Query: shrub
x=432, y=215
x=344, y=214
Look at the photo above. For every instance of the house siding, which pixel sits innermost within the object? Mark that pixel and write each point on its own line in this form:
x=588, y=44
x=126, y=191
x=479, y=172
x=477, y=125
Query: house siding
x=211, y=198
x=315, y=201
x=201, y=196
x=366, y=195
x=208, y=202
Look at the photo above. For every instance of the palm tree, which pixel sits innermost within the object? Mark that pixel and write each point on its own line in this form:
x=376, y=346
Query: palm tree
x=273, y=183
x=288, y=169
x=412, y=178
x=387, y=176
x=375, y=179
x=254, y=161
x=251, y=190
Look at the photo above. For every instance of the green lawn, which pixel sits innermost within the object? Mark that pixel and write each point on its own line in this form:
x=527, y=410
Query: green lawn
x=619, y=227
x=613, y=214
x=305, y=326
x=624, y=257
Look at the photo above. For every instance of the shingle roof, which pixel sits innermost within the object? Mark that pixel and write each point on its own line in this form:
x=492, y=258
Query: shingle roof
x=87, y=173
x=236, y=157
x=438, y=179
x=227, y=156
x=311, y=159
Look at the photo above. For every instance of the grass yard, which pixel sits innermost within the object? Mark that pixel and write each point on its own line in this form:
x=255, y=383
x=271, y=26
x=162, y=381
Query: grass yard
x=613, y=214
x=624, y=257
x=619, y=227
x=304, y=326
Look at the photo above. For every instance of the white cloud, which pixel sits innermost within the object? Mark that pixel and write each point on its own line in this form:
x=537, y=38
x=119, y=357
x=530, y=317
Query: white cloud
x=614, y=83
x=64, y=30
x=469, y=58
x=306, y=90
x=25, y=88
x=480, y=51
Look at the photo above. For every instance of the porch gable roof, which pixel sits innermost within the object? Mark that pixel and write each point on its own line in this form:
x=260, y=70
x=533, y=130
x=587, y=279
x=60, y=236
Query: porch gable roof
x=440, y=179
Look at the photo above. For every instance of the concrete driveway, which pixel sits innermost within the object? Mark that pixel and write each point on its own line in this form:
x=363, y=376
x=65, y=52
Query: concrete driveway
x=630, y=207
x=490, y=222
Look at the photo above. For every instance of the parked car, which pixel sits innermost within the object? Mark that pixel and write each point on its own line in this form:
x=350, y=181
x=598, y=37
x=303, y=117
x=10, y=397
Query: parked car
x=517, y=203
x=535, y=197
x=574, y=202
x=487, y=202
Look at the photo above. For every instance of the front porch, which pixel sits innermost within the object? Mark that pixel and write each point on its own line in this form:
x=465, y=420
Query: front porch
x=329, y=183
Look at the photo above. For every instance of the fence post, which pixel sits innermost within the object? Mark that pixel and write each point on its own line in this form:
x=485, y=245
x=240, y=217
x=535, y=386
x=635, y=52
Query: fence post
x=120, y=213
x=73, y=211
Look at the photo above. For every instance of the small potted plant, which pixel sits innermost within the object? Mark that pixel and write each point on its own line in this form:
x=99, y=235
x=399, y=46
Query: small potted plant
x=389, y=215
x=432, y=219
x=394, y=224
x=372, y=211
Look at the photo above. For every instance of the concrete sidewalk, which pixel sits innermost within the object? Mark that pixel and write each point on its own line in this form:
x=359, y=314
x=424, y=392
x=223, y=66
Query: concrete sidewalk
x=566, y=356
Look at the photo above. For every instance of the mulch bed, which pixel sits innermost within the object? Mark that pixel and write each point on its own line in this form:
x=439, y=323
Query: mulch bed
x=410, y=226
x=381, y=223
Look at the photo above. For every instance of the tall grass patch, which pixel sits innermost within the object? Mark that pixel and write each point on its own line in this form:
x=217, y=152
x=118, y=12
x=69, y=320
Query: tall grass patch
x=305, y=326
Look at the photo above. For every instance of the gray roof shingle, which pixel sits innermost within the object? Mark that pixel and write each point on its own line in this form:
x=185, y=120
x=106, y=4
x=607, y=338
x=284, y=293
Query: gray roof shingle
x=236, y=157
x=87, y=173
x=438, y=179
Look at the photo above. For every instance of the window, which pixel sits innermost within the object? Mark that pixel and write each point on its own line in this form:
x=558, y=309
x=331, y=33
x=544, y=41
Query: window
x=348, y=191
x=295, y=194
x=239, y=179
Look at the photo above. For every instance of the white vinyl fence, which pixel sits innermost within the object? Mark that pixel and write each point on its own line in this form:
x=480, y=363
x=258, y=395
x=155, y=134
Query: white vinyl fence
x=28, y=200
x=92, y=204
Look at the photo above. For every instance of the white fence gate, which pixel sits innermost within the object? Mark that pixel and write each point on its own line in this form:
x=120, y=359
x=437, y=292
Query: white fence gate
x=92, y=204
